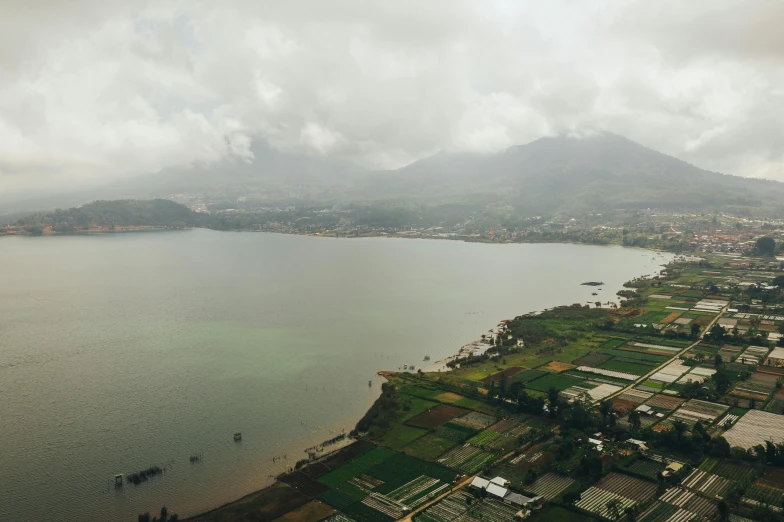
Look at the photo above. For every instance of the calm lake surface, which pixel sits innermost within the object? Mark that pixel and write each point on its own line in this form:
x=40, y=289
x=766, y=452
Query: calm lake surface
x=118, y=352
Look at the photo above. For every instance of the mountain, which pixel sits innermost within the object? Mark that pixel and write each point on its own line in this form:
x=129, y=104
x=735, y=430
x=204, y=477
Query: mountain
x=270, y=176
x=553, y=175
x=563, y=174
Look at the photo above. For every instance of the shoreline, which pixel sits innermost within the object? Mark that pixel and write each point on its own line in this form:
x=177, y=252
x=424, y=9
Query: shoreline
x=435, y=366
x=462, y=239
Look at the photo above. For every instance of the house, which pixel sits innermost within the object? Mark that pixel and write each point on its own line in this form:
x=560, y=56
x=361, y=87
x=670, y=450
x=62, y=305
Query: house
x=479, y=483
x=596, y=444
x=500, y=481
x=496, y=490
x=498, y=487
x=776, y=357
x=637, y=444
x=672, y=468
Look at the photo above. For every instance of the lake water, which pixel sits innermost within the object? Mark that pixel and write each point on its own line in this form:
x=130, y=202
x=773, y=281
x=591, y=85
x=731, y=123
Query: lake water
x=118, y=352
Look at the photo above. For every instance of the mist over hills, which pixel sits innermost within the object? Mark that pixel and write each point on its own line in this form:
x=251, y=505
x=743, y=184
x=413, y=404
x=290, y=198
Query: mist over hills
x=551, y=175
x=563, y=174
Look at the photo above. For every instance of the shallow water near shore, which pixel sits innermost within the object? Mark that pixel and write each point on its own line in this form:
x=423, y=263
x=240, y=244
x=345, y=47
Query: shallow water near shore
x=122, y=351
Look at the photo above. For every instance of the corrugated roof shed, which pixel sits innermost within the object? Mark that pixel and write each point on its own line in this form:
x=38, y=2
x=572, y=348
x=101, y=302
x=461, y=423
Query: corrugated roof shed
x=497, y=491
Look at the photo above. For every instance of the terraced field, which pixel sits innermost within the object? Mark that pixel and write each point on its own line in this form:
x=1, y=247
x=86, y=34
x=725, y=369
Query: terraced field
x=437, y=416
x=483, y=438
x=679, y=505
x=691, y=502
x=455, y=432
x=490, y=510
x=697, y=410
x=708, y=484
x=626, y=489
x=734, y=471
x=648, y=468
x=449, y=509
x=475, y=420
x=468, y=459
x=550, y=486
x=761, y=493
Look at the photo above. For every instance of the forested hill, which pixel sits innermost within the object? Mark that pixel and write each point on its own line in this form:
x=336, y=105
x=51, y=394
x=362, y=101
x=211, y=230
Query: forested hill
x=119, y=213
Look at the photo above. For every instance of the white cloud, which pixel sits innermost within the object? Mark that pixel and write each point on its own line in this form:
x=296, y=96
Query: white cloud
x=91, y=90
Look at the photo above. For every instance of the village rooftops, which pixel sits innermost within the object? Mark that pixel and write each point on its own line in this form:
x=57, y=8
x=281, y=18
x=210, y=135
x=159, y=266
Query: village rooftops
x=500, y=481
x=480, y=483
x=497, y=491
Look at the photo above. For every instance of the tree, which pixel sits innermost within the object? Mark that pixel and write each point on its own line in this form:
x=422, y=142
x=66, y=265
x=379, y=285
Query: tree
x=765, y=246
x=721, y=380
x=724, y=510
x=717, y=333
x=552, y=400
x=634, y=420
x=572, y=497
x=718, y=362
x=778, y=281
x=605, y=408
x=695, y=330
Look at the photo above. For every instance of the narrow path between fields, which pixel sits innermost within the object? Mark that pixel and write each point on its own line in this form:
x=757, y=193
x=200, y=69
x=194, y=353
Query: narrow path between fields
x=668, y=361
x=454, y=488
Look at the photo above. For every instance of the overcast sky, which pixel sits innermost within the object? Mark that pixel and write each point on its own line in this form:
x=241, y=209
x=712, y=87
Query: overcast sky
x=92, y=90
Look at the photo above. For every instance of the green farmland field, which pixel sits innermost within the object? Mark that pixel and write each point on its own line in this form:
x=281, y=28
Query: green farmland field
x=560, y=382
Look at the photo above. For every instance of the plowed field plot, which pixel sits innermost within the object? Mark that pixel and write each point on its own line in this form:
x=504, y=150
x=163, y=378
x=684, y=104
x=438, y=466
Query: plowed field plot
x=550, y=486
x=635, y=396
x=340, y=478
x=465, y=458
x=483, y=438
x=558, y=366
x=310, y=512
x=671, y=317
x=732, y=470
x=447, y=510
x=642, y=354
x=679, y=505
x=697, y=410
x=439, y=415
x=623, y=406
x=620, y=365
x=664, y=402
x=688, y=501
x=706, y=483
x=592, y=359
x=595, y=500
x=627, y=486
x=729, y=353
x=490, y=510
x=497, y=377
x=754, y=427
x=760, y=493
x=649, y=468
x=503, y=425
x=475, y=420
x=768, y=489
x=518, y=430
x=752, y=390
x=429, y=447
x=455, y=432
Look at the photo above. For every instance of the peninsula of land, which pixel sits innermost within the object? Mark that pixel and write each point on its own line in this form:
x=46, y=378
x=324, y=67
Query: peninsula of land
x=670, y=403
